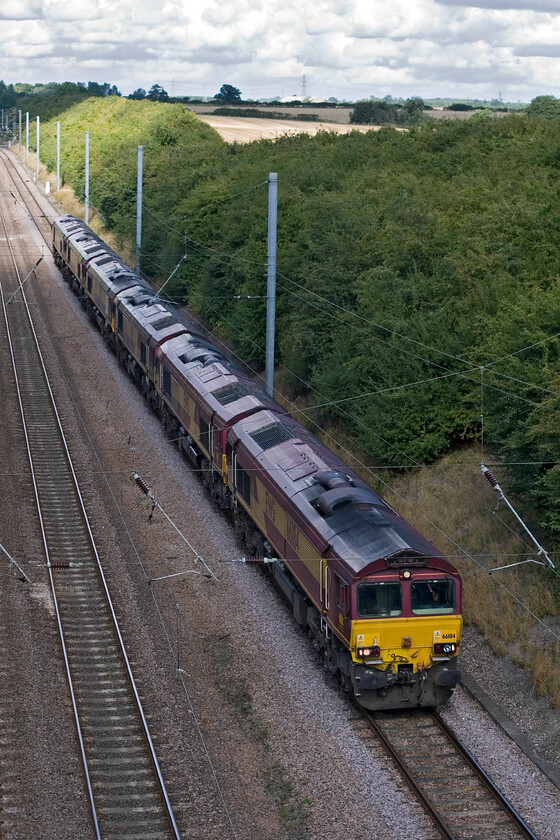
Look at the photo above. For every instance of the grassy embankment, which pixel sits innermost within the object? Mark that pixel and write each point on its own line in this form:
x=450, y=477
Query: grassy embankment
x=406, y=263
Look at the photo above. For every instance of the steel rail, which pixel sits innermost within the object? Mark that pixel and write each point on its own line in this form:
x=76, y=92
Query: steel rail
x=410, y=778
x=153, y=756
x=42, y=524
x=406, y=767
x=503, y=801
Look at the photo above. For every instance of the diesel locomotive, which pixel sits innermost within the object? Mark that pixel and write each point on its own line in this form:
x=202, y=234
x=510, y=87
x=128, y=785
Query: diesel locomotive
x=378, y=599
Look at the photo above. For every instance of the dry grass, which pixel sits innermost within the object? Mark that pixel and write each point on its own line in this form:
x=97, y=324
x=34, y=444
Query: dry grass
x=516, y=609
x=68, y=202
x=451, y=503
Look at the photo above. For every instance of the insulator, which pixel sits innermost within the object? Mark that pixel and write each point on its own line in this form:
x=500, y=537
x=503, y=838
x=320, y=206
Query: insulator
x=490, y=478
x=142, y=484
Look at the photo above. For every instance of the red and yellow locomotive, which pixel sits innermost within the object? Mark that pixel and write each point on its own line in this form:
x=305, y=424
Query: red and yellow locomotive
x=378, y=599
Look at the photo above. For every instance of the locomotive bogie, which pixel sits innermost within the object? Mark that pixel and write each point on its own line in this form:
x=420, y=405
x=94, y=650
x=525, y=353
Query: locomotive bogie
x=378, y=600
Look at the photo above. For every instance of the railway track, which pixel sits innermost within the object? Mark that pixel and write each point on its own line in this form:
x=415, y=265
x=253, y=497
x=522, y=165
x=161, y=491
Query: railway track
x=462, y=802
x=126, y=790
x=454, y=790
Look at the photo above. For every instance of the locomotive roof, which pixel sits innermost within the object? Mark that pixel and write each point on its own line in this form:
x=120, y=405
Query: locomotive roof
x=159, y=319
x=81, y=236
x=339, y=509
x=343, y=511
x=227, y=391
x=113, y=274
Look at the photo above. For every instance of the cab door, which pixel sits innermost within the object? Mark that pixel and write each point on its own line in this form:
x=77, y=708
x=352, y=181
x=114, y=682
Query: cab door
x=339, y=605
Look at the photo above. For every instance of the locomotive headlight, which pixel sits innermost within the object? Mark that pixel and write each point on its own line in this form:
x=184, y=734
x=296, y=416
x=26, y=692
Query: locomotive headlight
x=369, y=652
x=445, y=648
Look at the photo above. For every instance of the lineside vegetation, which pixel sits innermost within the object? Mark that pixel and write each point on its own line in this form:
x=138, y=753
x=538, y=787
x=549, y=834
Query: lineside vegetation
x=418, y=303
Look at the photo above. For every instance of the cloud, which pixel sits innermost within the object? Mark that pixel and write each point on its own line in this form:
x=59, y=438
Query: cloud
x=505, y=5
x=20, y=10
x=107, y=51
x=541, y=50
x=404, y=47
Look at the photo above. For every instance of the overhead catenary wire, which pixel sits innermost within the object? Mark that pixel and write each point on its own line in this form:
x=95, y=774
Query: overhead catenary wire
x=231, y=257
x=462, y=551
x=451, y=373
x=349, y=453
x=195, y=245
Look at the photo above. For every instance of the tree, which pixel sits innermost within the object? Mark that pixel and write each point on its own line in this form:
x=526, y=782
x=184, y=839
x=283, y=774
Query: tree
x=373, y=112
x=228, y=94
x=158, y=94
x=7, y=95
x=139, y=93
x=544, y=106
x=95, y=89
x=412, y=111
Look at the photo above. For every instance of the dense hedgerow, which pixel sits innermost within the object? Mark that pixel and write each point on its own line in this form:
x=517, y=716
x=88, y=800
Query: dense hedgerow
x=418, y=269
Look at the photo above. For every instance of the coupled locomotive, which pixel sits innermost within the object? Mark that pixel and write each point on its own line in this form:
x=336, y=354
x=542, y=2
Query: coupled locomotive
x=381, y=603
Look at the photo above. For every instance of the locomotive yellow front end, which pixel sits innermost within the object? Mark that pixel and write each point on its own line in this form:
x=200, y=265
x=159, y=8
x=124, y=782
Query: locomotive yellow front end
x=405, y=637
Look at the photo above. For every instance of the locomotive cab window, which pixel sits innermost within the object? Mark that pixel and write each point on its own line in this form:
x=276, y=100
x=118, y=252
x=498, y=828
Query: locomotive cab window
x=379, y=599
x=119, y=321
x=429, y=597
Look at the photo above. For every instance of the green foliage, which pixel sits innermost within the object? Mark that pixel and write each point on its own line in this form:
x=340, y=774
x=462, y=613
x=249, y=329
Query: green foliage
x=95, y=89
x=228, y=94
x=544, y=106
x=419, y=272
x=384, y=112
x=48, y=100
x=460, y=106
x=373, y=112
x=8, y=97
x=158, y=94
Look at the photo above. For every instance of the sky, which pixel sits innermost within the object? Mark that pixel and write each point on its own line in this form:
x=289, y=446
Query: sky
x=348, y=49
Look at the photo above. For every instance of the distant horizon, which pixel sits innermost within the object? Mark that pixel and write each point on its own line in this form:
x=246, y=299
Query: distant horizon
x=350, y=49
x=295, y=97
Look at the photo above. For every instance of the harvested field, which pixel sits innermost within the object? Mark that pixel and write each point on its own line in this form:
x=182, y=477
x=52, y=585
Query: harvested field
x=247, y=129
